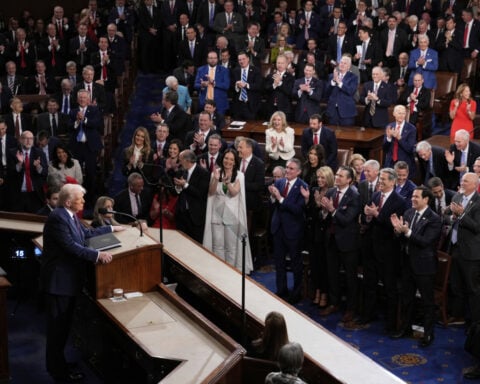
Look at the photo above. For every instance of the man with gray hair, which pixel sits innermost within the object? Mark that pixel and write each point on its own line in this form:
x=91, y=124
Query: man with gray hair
x=424, y=60
x=461, y=156
x=431, y=161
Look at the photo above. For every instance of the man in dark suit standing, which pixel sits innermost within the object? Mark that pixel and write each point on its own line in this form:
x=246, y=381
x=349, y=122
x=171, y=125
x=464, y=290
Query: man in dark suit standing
x=464, y=245
x=62, y=274
x=419, y=232
x=404, y=187
x=178, y=121
x=135, y=200
x=192, y=188
x=460, y=157
x=197, y=140
x=27, y=173
x=80, y=47
x=52, y=120
x=400, y=139
x=308, y=92
x=12, y=80
x=18, y=121
x=123, y=17
x=368, y=56
x=213, y=157
x=287, y=227
x=384, y=262
x=340, y=210
x=377, y=98
x=65, y=98
x=86, y=141
x=278, y=86
x=393, y=40
x=339, y=44
x=416, y=98
x=432, y=162
x=317, y=133
x=95, y=91
x=450, y=48
x=307, y=25
x=469, y=33
x=192, y=48
x=149, y=37
x=40, y=83
x=248, y=88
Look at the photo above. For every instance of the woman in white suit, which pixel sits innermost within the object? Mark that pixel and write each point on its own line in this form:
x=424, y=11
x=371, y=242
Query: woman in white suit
x=279, y=140
x=226, y=219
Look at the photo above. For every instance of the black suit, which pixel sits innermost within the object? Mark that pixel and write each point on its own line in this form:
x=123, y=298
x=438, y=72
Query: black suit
x=65, y=104
x=54, y=59
x=383, y=263
x=419, y=265
x=380, y=117
x=178, y=121
x=44, y=123
x=247, y=110
x=258, y=47
x=397, y=74
x=32, y=86
x=199, y=53
x=26, y=123
x=466, y=260
x=82, y=58
x=123, y=204
x=62, y=277
x=192, y=204
x=329, y=142
x=279, y=98
x=472, y=154
x=18, y=84
x=341, y=241
x=400, y=45
x=10, y=144
x=347, y=47
x=148, y=43
x=372, y=53
x=307, y=103
x=450, y=57
x=439, y=167
x=98, y=94
x=422, y=104
x=254, y=183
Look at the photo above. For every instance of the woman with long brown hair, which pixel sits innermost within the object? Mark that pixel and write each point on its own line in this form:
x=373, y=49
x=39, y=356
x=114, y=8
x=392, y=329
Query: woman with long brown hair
x=138, y=154
x=462, y=111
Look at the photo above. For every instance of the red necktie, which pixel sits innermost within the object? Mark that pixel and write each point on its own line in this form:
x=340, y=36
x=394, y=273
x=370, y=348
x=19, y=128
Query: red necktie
x=23, y=63
x=28, y=178
x=380, y=202
x=17, y=127
x=104, y=67
x=465, y=36
x=412, y=102
x=60, y=30
x=315, y=138
x=53, y=57
x=285, y=190
x=212, y=163
x=337, y=199
x=395, y=147
x=244, y=165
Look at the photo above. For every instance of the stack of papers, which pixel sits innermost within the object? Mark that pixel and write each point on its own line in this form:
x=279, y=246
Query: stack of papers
x=237, y=124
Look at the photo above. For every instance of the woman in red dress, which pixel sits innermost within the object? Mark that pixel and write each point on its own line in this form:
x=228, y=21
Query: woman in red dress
x=462, y=111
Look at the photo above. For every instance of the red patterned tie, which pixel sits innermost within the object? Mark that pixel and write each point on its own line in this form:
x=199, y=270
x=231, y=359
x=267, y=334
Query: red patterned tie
x=380, y=202
x=28, y=178
x=395, y=147
x=53, y=57
x=315, y=138
x=412, y=102
x=285, y=189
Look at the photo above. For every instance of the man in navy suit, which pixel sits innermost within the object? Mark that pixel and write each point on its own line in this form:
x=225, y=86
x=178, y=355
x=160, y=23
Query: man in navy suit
x=307, y=25
x=471, y=45
x=404, y=187
x=460, y=157
x=416, y=98
x=400, y=140
x=308, y=92
x=341, y=87
x=432, y=162
x=340, y=210
x=384, y=262
x=419, y=232
x=424, y=60
x=192, y=188
x=62, y=273
x=248, y=88
x=377, y=98
x=81, y=47
x=123, y=17
x=317, y=133
x=86, y=141
x=213, y=80
x=278, y=86
x=287, y=227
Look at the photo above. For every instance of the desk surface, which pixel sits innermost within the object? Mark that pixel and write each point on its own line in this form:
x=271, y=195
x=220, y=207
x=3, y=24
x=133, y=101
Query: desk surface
x=341, y=359
x=165, y=332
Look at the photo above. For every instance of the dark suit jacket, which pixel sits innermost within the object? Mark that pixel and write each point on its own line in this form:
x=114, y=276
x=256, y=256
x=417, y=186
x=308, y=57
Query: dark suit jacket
x=25, y=122
x=98, y=94
x=289, y=215
x=59, y=97
x=199, y=54
x=474, y=37
x=111, y=83
x=440, y=167
x=307, y=104
x=18, y=84
x=81, y=58
x=125, y=26
x=313, y=30
x=32, y=87
x=423, y=101
x=118, y=47
x=178, y=121
x=195, y=196
x=400, y=43
x=345, y=219
x=328, y=141
x=44, y=124
x=396, y=74
x=55, y=61
x=347, y=47
x=255, y=82
x=469, y=230
x=380, y=117
x=122, y=204
x=450, y=56
x=406, y=147
x=342, y=97
x=382, y=228
x=407, y=191
x=258, y=47
x=254, y=183
x=472, y=154
x=92, y=128
x=282, y=95
x=422, y=243
x=65, y=254
x=373, y=53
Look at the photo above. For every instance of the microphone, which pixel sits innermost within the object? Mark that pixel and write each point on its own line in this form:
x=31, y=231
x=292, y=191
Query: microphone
x=104, y=211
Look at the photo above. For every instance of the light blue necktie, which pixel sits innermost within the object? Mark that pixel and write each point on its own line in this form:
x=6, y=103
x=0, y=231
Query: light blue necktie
x=339, y=49
x=243, y=92
x=454, y=238
x=463, y=161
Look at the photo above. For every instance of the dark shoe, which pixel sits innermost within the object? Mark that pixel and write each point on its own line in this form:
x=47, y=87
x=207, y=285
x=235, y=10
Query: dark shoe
x=329, y=310
x=347, y=317
x=72, y=377
x=425, y=341
x=404, y=332
x=472, y=374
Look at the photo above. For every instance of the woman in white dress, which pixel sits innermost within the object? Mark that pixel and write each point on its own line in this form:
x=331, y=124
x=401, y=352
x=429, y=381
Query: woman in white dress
x=63, y=163
x=226, y=219
x=279, y=140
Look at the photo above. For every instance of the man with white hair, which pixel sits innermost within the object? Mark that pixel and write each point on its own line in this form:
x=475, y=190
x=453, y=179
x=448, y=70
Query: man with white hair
x=431, y=160
x=424, y=60
x=184, y=99
x=461, y=156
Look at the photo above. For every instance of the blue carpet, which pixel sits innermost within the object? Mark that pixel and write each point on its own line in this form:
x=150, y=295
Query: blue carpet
x=442, y=362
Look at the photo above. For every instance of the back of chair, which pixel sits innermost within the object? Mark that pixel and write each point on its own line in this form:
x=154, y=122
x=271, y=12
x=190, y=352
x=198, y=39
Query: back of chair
x=343, y=156
x=468, y=70
x=443, y=271
x=446, y=83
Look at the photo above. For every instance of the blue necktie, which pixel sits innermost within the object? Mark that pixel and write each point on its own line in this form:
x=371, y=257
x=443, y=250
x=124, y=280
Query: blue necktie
x=243, y=92
x=339, y=49
x=81, y=132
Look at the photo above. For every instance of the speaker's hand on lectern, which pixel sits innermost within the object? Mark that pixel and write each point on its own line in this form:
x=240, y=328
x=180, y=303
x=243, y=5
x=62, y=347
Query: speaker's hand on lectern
x=118, y=228
x=104, y=257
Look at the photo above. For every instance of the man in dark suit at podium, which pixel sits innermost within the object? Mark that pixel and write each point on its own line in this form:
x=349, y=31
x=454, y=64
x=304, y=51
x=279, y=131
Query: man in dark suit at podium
x=62, y=274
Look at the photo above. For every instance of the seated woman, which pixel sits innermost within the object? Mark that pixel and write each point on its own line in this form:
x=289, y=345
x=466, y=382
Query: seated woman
x=226, y=218
x=279, y=140
x=279, y=48
x=169, y=203
x=285, y=32
x=274, y=337
x=356, y=162
x=99, y=219
x=290, y=362
x=138, y=154
x=63, y=163
x=172, y=162
x=184, y=99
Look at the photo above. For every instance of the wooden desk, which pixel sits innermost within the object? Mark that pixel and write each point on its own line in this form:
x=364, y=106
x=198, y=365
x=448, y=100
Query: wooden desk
x=220, y=285
x=370, y=139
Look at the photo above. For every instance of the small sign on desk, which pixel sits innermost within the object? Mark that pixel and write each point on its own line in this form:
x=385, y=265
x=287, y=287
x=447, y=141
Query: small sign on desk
x=237, y=125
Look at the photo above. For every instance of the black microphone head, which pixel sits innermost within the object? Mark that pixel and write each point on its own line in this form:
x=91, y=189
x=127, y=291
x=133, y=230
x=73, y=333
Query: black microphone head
x=104, y=211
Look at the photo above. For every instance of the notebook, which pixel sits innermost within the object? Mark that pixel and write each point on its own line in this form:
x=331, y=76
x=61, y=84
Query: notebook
x=103, y=242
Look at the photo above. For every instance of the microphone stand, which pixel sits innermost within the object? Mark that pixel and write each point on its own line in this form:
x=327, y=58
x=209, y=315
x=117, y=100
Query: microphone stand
x=104, y=211
x=244, y=315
